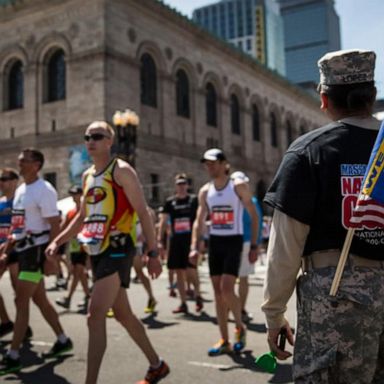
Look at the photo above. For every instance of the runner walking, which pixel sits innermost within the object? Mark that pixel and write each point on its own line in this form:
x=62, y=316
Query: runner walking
x=112, y=195
x=181, y=209
x=35, y=220
x=224, y=199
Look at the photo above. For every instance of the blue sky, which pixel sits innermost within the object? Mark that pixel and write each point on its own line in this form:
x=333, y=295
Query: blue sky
x=362, y=26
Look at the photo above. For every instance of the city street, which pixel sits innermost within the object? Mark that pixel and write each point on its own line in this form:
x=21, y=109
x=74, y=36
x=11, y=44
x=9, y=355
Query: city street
x=182, y=340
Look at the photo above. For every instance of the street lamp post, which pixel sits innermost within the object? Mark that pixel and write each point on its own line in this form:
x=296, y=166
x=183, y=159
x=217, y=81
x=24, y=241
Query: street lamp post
x=126, y=123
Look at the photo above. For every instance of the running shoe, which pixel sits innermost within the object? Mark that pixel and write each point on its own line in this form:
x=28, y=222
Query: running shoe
x=58, y=349
x=150, y=306
x=9, y=365
x=199, y=303
x=220, y=348
x=6, y=328
x=172, y=293
x=240, y=339
x=110, y=313
x=64, y=302
x=153, y=376
x=246, y=317
x=183, y=308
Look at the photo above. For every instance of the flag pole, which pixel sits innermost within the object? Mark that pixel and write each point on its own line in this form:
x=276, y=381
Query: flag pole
x=342, y=261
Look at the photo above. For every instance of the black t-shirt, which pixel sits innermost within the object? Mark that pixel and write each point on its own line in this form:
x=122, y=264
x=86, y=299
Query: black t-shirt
x=182, y=213
x=318, y=183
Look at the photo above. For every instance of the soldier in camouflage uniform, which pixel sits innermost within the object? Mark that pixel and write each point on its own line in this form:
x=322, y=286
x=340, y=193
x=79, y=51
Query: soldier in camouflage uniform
x=339, y=339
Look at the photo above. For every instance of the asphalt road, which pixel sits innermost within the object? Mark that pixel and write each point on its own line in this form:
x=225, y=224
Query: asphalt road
x=182, y=340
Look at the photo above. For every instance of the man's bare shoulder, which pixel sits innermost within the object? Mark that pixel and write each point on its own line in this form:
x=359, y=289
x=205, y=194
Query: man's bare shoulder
x=203, y=191
x=89, y=171
x=204, y=188
x=123, y=169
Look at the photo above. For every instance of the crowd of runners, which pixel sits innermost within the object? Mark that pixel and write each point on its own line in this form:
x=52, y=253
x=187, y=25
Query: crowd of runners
x=111, y=229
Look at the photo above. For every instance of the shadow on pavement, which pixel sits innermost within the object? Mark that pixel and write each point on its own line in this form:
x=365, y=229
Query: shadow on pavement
x=3, y=346
x=283, y=374
x=153, y=323
x=246, y=360
x=259, y=328
x=42, y=374
x=203, y=316
x=243, y=360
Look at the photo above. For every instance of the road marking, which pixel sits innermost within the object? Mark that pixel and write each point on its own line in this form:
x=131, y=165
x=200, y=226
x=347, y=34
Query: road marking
x=41, y=343
x=210, y=365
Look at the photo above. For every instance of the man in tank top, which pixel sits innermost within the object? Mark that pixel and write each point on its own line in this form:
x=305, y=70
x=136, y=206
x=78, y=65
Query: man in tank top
x=112, y=197
x=224, y=199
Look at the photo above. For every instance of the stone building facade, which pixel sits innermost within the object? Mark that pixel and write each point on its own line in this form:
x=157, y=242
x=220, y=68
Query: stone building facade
x=65, y=63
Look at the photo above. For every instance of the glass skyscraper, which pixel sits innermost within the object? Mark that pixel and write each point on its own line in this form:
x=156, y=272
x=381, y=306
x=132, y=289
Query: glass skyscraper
x=254, y=26
x=311, y=28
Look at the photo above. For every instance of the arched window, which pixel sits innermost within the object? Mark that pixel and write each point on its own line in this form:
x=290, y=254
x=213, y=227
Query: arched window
x=211, y=105
x=148, y=81
x=273, y=130
x=289, y=133
x=255, y=123
x=15, y=85
x=235, y=115
x=56, y=76
x=182, y=94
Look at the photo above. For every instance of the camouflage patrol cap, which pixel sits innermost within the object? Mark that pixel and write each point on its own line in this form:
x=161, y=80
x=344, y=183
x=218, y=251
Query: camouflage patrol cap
x=347, y=67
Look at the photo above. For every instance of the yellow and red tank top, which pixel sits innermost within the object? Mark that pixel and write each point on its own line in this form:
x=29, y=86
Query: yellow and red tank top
x=107, y=210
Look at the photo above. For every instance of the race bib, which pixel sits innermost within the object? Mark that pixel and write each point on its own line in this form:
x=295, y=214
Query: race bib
x=182, y=225
x=222, y=217
x=4, y=232
x=94, y=229
x=18, y=220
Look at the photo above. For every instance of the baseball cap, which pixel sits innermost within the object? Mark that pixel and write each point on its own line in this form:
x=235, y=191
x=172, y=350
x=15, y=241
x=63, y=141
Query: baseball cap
x=213, y=154
x=75, y=190
x=347, y=67
x=181, y=178
x=240, y=175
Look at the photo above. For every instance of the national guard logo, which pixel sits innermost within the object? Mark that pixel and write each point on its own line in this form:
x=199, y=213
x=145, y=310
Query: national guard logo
x=95, y=195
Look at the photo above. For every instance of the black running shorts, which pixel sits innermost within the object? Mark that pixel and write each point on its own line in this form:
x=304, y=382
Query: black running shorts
x=12, y=257
x=32, y=259
x=78, y=258
x=225, y=255
x=114, y=259
x=178, y=256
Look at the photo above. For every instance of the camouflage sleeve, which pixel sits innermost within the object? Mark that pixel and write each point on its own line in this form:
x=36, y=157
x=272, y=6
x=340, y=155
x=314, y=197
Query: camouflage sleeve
x=285, y=248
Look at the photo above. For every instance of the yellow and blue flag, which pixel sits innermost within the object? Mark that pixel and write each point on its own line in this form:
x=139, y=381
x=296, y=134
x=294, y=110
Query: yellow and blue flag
x=369, y=211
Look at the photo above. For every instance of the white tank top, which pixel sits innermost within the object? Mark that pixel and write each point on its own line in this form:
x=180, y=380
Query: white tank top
x=226, y=210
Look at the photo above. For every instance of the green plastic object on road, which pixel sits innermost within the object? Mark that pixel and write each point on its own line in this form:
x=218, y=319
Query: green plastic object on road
x=267, y=362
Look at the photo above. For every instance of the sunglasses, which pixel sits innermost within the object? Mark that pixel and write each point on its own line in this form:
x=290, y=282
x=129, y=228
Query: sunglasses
x=95, y=137
x=6, y=178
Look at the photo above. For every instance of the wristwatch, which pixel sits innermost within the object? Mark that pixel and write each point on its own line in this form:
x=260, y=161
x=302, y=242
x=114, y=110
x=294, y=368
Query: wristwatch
x=152, y=253
x=253, y=247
